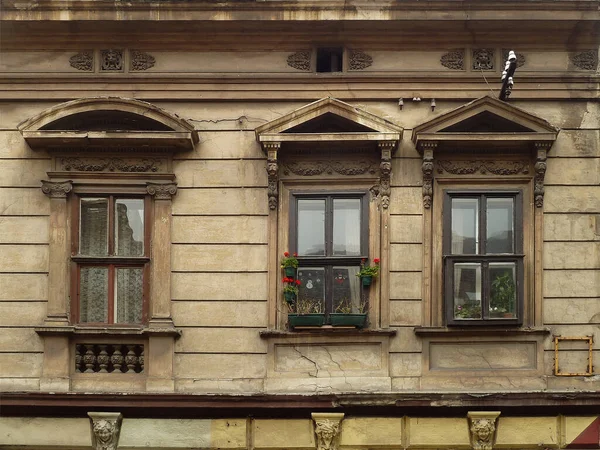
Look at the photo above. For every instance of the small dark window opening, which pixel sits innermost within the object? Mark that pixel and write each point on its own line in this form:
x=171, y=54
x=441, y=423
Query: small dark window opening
x=329, y=59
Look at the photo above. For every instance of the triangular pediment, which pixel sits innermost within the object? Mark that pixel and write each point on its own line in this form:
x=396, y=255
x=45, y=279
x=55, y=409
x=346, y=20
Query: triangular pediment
x=499, y=124
x=328, y=120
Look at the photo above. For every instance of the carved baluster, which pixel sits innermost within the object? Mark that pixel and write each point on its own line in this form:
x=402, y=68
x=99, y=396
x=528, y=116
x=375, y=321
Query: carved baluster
x=117, y=359
x=89, y=359
x=78, y=358
x=103, y=359
x=131, y=359
x=141, y=359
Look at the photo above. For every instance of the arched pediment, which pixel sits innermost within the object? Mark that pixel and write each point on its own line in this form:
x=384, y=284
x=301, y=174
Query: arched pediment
x=104, y=122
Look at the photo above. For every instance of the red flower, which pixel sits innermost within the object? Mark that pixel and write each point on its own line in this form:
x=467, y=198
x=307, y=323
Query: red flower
x=286, y=254
x=295, y=254
x=288, y=280
x=364, y=260
x=376, y=260
x=298, y=282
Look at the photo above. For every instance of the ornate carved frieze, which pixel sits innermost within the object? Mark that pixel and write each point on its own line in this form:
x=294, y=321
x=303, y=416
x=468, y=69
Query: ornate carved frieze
x=161, y=191
x=482, y=429
x=483, y=59
x=57, y=189
x=106, y=428
x=359, y=60
x=454, y=59
x=468, y=167
x=327, y=430
x=300, y=60
x=540, y=172
x=319, y=167
x=94, y=164
x=141, y=61
x=587, y=60
x=520, y=57
x=111, y=60
x=83, y=61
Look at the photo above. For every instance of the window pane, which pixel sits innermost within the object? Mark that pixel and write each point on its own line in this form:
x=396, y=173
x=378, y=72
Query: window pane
x=346, y=290
x=346, y=226
x=311, y=227
x=503, y=291
x=311, y=291
x=93, y=294
x=128, y=295
x=93, y=235
x=500, y=230
x=465, y=226
x=467, y=291
x=129, y=227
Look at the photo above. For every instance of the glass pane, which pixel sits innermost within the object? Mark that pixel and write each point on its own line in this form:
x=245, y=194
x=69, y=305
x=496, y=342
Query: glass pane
x=500, y=222
x=467, y=291
x=465, y=226
x=311, y=292
x=93, y=294
x=346, y=290
x=129, y=227
x=128, y=295
x=503, y=290
x=311, y=227
x=346, y=226
x=93, y=234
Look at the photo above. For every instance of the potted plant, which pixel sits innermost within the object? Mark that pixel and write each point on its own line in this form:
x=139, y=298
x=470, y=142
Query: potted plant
x=368, y=272
x=348, y=315
x=502, y=296
x=471, y=309
x=290, y=290
x=289, y=264
x=306, y=313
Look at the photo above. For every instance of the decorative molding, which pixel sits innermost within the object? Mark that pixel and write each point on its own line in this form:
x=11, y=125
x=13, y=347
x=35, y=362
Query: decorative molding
x=83, y=61
x=319, y=167
x=94, y=164
x=359, y=60
x=106, y=428
x=540, y=172
x=482, y=429
x=427, y=168
x=111, y=60
x=454, y=59
x=521, y=60
x=496, y=167
x=272, y=173
x=327, y=430
x=586, y=60
x=300, y=60
x=385, y=168
x=141, y=61
x=483, y=59
x=57, y=189
x=162, y=191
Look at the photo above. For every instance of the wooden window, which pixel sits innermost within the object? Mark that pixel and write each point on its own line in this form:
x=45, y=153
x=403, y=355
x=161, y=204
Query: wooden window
x=483, y=257
x=329, y=232
x=110, y=256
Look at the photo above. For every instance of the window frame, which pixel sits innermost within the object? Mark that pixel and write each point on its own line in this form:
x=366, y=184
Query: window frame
x=112, y=262
x=517, y=256
x=328, y=262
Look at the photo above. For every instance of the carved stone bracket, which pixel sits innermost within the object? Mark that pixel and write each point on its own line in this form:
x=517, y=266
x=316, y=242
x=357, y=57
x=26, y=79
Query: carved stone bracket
x=57, y=189
x=359, y=60
x=482, y=429
x=587, y=60
x=83, y=61
x=162, y=191
x=540, y=171
x=106, y=428
x=141, y=61
x=327, y=430
x=483, y=59
x=454, y=59
x=385, y=167
x=300, y=60
x=427, y=147
x=272, y=172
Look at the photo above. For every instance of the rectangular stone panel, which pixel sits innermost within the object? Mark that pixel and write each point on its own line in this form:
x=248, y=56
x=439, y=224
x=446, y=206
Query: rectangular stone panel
x=406, y=200
x=571, y=310
x=406, y=229
x=436, y=432
x=23, y=172
x=42, y=431
x=23, y=202
x=406, y=257
x=482, y=356
x=219, y=286
x=572, y=283
x=220, y=173
x=478, y=383
x=584, y=199
x=405, y=285
x=225, y=314
x=582, y=143
x=23, y=286
x=26, y=365
x=407, y=172
x=326, y=385
x=571, y=255
x=24, y=258
x=405, y=340
x=224, y=201
x=326, y=360
x=215, y=366
x=22, y=313
x=12, y=145
x=216, y=230
x=219, y=258
x=283, y=433
x=410, y=384
x=571, y=227
x=530, y=431
x=36, y=61
x=20, y=340
x=405, y=312
x=220, y=340
x=573, y=171
x=383, y=432
x=562, y=114
x=24, y=230
x=227, y=144
x=405, y=364
x=237, y=386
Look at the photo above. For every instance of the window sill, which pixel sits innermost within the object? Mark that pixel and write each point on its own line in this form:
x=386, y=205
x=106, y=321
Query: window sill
x=479, y=331
x=327, y=330
x=107, y=331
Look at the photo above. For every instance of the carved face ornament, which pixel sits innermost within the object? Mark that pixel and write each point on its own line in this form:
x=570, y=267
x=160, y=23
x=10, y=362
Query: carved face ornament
x=483, y=429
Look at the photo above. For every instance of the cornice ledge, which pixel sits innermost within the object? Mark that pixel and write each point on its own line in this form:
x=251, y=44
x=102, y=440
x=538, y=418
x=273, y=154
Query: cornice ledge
x=106, y=331
x=477, y=331
x=326, y=331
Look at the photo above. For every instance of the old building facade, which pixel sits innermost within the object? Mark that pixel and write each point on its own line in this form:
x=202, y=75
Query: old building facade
x=192, y=194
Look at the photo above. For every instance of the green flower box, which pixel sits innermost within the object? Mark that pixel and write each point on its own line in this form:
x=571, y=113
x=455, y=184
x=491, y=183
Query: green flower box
x=290, y=272
x=348, y=320
x=366, y=280
x=306, y=320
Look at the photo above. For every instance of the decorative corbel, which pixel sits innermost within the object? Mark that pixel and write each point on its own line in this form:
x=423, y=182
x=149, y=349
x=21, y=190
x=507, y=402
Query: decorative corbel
x=162, y=191
x=57, y=189
x=540, y=171
x=427, y=148
x=106, y=428
x=482, y=429
x=272, y=172
x=327, y=430
x=385, y=167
